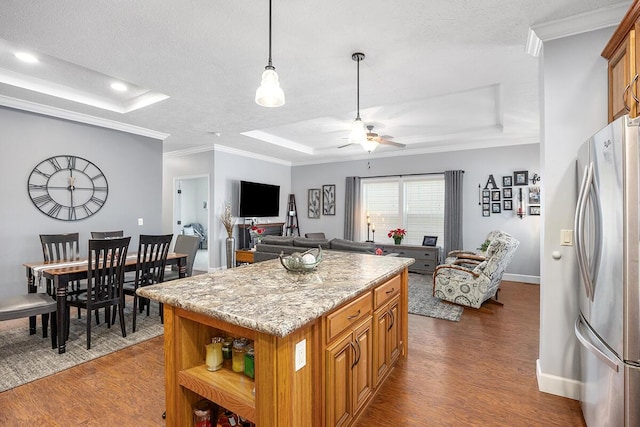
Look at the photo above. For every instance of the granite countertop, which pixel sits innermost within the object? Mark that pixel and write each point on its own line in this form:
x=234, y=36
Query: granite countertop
x=266, y=298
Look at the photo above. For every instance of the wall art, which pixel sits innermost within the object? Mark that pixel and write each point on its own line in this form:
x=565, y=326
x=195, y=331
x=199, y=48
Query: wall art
x=313, y=210
x=329, y=199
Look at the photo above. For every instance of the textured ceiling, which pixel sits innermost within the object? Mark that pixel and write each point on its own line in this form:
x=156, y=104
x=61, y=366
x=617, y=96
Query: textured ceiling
x=438, y=74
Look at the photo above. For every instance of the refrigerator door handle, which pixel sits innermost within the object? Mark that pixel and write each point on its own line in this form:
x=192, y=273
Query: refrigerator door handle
x=597, y=220
x=579, y=227
x=612, y=362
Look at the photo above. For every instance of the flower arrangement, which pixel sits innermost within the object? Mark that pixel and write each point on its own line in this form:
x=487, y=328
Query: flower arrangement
x=227, y=220
x=397, y=235
x=256, y=233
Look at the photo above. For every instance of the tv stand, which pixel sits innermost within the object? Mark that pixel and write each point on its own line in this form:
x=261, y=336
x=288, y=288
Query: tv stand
x=270, y=229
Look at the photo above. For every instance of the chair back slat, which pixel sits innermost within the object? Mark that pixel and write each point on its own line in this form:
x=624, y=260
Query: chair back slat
x=106, y=260
x=152, y=258
x=60, y=247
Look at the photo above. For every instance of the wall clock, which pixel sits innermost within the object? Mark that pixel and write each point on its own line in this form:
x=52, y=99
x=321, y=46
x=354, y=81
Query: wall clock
x=68, y=188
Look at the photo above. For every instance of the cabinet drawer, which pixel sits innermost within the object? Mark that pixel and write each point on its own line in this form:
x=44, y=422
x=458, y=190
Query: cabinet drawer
x=386, y=291
x=426, y=254
x=423, y=265
x=348, y=315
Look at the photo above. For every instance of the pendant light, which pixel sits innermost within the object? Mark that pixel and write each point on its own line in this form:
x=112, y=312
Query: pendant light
x=270, y=94
x=358, y=133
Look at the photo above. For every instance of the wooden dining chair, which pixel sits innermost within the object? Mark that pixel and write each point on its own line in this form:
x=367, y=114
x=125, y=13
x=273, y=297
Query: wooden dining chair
x=106, y=261
x=62, y=247
x=107, y=234
x=152, y=260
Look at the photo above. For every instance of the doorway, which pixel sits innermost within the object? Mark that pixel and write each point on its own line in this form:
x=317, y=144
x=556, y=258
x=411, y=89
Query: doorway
x=191, y=214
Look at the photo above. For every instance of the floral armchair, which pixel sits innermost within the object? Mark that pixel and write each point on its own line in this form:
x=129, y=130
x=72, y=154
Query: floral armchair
x=471, y=279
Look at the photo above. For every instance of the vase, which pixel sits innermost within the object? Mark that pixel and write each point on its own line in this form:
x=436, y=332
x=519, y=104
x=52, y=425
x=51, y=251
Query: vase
x=397, y=240
x=231, y=252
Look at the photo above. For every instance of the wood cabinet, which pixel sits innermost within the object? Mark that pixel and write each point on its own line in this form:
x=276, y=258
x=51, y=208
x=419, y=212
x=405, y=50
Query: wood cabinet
x=244, y=256
x=427, y=257
x=348, y=375
x=387, y=327
x=623, y=66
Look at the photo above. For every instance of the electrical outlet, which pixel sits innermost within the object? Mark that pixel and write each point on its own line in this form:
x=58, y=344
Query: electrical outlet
x=140, y=221
x=301, y=354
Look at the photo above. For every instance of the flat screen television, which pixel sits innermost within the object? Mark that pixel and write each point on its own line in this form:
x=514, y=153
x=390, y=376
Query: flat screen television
x=259, y=200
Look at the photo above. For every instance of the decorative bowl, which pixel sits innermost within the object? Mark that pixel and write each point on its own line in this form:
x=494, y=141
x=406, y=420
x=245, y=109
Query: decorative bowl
x=302, y=262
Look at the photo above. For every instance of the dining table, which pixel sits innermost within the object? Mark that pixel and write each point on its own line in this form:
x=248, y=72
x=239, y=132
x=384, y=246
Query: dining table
x=58, y=274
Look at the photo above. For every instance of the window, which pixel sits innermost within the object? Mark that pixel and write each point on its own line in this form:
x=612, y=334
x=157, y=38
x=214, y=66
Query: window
x=415, y=203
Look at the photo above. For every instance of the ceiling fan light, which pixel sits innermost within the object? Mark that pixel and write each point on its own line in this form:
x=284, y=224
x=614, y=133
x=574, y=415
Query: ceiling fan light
x=369, y=145
x=358, y=134
x=270, y=94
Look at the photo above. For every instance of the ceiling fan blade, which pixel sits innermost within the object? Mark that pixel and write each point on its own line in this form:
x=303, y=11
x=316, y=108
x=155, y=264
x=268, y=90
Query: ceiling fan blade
x=386, y=137
x=346, y=145
x=387, y=142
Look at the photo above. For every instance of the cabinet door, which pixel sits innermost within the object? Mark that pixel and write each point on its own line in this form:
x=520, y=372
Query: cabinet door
x=381, y=322
x=622, y=72
x=363, y=365
x=394, y=339
x=340, y=358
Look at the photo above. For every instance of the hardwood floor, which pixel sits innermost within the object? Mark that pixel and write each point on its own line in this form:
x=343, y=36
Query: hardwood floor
x=476, y=372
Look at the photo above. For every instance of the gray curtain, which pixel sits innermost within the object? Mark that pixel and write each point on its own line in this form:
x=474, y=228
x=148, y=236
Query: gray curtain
x=452, y=210
x=351, y=207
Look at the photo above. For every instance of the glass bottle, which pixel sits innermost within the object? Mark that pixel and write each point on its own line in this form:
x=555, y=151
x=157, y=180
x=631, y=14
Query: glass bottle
x=239, y=349
x=249, y=365
x=214, y=354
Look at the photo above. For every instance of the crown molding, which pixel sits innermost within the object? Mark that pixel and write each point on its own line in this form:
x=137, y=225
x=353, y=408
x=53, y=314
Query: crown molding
x=225, y=149
x=609, y=16
x=33, y=107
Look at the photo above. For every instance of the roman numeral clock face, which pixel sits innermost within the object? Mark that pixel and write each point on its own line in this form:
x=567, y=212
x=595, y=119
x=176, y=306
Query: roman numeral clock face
x=68, y=188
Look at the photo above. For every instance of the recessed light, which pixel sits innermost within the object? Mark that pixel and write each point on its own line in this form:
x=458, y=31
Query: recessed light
x=119, y=87
x=26, y=57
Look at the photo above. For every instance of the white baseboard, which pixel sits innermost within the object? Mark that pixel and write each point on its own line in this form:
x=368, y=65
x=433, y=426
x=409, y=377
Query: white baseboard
x=559, y=386
x=521, y=278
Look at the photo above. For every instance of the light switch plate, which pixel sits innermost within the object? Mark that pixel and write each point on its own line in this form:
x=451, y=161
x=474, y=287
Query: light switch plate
x=301, y=354
x=140, y=221
x=566, y=237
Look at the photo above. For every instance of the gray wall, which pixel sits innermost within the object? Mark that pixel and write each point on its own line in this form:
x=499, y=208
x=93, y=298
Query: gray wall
x=131, y=163
x=574, y=107
x=477, y=164
x=227, y=169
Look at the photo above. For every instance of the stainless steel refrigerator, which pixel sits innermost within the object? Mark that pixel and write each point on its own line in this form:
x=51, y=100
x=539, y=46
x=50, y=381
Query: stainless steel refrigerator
x=607, y=241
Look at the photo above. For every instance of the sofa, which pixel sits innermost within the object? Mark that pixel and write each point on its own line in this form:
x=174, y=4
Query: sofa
x=272, y=246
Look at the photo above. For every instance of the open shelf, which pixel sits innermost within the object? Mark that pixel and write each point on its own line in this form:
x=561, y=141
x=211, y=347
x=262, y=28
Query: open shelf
x=229, y=389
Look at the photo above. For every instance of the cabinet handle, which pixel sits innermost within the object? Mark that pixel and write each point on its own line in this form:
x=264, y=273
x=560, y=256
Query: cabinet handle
x=624, y=97
x=393, y=320
x=355, y=353
x=359, y=353
x=391, y=291
x=353, y=316
x=635, y=79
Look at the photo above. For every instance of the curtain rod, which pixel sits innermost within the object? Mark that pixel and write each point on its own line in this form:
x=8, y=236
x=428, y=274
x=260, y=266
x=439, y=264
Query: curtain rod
x=408, y=174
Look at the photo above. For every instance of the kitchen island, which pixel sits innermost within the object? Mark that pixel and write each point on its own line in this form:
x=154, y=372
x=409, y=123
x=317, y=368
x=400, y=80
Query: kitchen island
x=324, y=341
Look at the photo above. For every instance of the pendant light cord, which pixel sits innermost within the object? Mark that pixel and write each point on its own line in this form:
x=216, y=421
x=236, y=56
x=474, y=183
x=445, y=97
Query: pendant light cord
x=357, y=90
x=270, y=66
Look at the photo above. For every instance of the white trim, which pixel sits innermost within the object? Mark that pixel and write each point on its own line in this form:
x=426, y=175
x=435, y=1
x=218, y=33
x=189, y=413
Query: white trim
x=73, y=116
x=559, y=386
x=225, y=149
x=534, y=44
x=276, y=140
x=522, y=278
x=604, y=17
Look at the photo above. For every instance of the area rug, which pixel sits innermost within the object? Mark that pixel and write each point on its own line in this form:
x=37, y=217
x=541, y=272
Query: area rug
x=25, y=358
x=422, y=301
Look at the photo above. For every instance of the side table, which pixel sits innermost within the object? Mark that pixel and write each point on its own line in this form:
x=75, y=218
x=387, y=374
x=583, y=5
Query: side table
x=244, y=256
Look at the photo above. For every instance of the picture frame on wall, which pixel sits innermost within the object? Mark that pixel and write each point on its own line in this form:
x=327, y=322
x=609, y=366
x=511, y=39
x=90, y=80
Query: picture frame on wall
x=520, y=177
x=507, y=205
x=507, y=181
x=486, y=193
x=313, y=206
x=534, y=210
x=495, y=195
x=507, y=193
x=495, y=208
x=329, y=199
x=486, y=212
x=534, y=195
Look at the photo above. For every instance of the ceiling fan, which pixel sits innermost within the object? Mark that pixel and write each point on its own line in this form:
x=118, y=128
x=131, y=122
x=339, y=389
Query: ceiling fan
x=375, y=138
